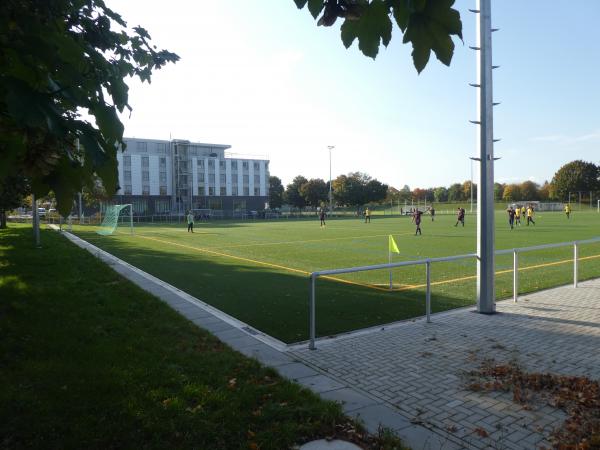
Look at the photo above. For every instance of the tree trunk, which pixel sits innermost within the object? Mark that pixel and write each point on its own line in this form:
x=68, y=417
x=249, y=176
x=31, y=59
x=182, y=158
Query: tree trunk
x=2, y=219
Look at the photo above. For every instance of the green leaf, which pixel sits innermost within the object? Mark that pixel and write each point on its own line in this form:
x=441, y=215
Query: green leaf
x=422, y=41
x=419, y=5
x=442, y=43
x=315, y=7
x=441, y=11
x=401, y=14
x=300, y=3
x=372, y=28
x=349, y=32
x=119, y=92
x=108, y=122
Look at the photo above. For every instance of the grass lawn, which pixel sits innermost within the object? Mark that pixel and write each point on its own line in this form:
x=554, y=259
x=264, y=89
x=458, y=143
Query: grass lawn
x=88, y=360
x=257, y=271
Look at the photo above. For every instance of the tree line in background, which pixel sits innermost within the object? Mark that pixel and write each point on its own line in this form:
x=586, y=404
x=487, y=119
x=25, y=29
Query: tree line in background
x=357, y=189
x=353, y=189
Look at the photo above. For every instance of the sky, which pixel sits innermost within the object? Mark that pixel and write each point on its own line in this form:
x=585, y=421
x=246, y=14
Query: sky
x=262, y=77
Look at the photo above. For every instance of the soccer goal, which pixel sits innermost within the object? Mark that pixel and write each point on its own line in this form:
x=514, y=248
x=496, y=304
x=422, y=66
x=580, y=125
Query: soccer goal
x=111, y=219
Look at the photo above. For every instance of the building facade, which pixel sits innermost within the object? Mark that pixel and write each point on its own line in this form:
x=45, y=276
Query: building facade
x=172, y=177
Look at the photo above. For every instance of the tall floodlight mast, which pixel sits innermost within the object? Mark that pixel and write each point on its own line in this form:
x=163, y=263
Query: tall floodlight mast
x=485, y=189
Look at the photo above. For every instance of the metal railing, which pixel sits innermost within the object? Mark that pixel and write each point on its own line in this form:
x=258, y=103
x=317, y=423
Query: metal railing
x=427, y=262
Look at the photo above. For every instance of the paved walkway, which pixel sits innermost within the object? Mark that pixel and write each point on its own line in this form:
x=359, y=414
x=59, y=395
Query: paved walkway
x=422, y=369
x=412, y=377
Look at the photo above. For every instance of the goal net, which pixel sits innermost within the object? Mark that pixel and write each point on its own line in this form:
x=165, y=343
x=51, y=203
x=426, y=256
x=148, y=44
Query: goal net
x=111, y=219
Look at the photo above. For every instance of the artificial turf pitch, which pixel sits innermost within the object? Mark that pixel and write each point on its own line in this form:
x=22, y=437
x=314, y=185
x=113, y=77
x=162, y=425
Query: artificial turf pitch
x=257, y=271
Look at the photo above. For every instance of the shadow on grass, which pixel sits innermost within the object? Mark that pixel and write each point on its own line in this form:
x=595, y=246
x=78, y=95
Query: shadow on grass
x=273, y=300
x=89, y=360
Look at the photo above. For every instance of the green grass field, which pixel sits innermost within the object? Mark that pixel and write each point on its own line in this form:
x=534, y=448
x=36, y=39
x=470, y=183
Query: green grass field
x=257, y=271
x=90, y=361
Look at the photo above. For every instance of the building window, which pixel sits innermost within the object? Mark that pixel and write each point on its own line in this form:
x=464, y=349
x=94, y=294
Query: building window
x=140, y=206
x=245, y=165
x=267, y=165
x=239, y=204
x=223, y=191
x=161, y=206
x=246, y=179
x=161, y=147
x=141, y=147
x=256, y=191
x=211, y=178
x=222, y=164
x=201, y=163
x=211, y=163
x=211, y=190
x=145, y=176
x=145, y=189
x=246, y=191
x=200, y=190
x=222, y=178
x=193, y=151
x=215, y=203
x=256, y=179
x=127, y=175
x=163, y=190
x=233, y=165
x=162, y=163
x=163, y=177
x=256, y=166
x=183, y=166
x=201, y=177
x=145, y=161
x=127, y=190
x=127, y=161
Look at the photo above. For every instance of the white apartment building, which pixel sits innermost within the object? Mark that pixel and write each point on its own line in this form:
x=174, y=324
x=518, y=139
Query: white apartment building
x=162, y=177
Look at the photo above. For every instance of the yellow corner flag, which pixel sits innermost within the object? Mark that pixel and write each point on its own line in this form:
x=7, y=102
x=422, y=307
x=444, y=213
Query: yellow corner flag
x=393, y=248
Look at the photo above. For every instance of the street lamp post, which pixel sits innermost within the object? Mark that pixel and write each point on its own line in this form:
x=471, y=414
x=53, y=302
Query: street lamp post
x=330, y=147
x=485, y=187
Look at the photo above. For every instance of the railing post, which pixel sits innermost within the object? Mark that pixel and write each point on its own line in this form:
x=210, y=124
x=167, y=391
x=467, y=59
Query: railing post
x=515, y=275
x=428, y=291
x=312, y=329
x=575, y=263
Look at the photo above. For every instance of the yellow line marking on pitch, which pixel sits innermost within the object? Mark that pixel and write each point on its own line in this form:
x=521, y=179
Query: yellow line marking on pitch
x=310, y=240
x=356, y=283
x=258, y=244
x=254, y=261
x=500, y=272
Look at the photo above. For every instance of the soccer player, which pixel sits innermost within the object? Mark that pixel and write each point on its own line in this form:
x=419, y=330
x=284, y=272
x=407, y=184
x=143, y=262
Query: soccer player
x=417, y=219
x=518, y=215
x=367, y=216
x=511, y=216
x=530, y=215
x=322, y=217
x=460, y=216
x=190, y=221
x=432, y=212
x=568, y=210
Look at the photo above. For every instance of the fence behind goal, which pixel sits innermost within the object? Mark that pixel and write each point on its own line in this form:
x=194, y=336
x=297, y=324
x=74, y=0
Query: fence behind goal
x=516, y=272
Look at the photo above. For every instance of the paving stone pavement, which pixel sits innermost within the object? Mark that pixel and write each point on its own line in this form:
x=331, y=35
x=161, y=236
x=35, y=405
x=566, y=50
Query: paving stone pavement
x=412, y=377
x=422, y=369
